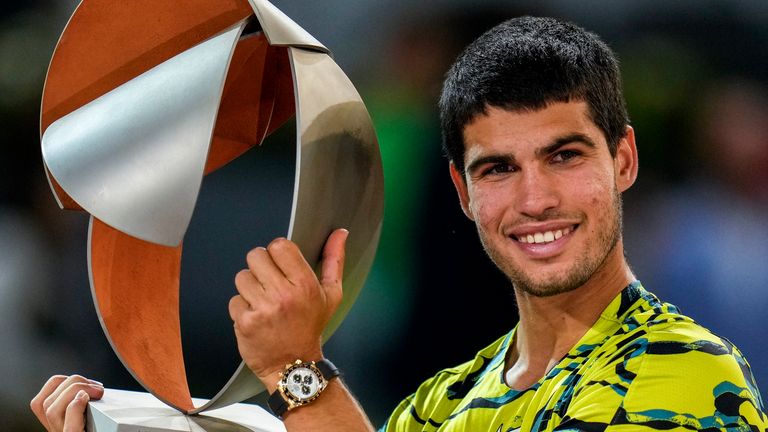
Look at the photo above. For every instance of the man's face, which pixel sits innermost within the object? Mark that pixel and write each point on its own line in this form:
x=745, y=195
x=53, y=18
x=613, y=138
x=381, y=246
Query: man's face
x=543, y=191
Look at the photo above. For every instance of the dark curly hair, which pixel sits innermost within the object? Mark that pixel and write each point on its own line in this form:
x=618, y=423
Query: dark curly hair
x=524, y=64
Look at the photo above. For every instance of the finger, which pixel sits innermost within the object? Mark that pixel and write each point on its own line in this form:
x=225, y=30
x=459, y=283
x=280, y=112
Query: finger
x=55, y=386
x=237, y=307
x=263, y=267
x=249, y=287
x=74, y=420
x=55, y=411
x=65, y=384
x=288, y=258
x=332, y=269
x=37, y=402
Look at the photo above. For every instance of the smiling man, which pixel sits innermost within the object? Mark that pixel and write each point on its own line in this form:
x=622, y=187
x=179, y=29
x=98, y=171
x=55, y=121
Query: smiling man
x=540, y=150
x=537, y=133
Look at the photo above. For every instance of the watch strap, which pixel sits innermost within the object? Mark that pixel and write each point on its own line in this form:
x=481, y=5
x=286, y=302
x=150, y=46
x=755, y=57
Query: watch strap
x=277, y=404
x=327, y=368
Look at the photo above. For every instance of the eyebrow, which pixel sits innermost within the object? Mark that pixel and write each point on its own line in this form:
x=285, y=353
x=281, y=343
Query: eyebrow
x=543, y=151
x=564, y=140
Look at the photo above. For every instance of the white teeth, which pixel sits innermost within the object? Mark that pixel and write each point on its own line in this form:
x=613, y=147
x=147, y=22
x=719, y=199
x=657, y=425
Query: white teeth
x=543, y=237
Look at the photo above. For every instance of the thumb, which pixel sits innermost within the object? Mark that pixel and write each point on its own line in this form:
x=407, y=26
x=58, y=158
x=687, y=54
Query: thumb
x=74, y=418
x=332, y=270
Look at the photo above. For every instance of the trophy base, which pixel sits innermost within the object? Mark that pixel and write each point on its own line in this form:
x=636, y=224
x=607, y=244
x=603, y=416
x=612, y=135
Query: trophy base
x=127, y=411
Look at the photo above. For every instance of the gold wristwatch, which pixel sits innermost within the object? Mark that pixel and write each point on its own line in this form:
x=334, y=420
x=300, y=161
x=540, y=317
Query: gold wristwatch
x=301, y=383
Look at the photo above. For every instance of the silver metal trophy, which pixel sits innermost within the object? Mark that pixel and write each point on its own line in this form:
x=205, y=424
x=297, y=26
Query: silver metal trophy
x=142, y=100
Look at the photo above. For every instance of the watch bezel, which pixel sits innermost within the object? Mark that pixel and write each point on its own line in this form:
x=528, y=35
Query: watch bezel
x=282, y=385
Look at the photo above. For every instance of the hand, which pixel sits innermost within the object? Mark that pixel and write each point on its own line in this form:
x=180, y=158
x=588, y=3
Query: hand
x=283, y=308
x=61, y=403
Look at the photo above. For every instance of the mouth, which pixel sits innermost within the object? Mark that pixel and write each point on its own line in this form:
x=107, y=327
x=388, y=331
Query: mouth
x=544, y=236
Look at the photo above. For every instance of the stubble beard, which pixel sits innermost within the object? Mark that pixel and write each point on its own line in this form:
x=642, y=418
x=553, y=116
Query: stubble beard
x=582, y=270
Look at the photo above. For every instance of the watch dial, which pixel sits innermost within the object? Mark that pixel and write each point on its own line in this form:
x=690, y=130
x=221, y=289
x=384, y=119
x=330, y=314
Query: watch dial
x=302, y=383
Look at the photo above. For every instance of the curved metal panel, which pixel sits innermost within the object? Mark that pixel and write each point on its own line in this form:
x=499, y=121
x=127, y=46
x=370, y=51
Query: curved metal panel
x=107, y=43
x=243, y=385
x=131, y=142
x=134, y=157
x=143, y=274
x=339, y=181
x=135, y=288
x=281, y=30
x=257, y=99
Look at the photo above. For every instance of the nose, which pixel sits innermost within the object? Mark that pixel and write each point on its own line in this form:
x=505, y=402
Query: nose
x=536, y=193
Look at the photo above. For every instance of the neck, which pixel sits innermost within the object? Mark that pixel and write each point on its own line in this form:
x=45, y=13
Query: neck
x=550, y=326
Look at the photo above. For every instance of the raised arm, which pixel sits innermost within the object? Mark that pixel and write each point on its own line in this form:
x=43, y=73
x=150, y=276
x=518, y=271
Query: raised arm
x=279, y=316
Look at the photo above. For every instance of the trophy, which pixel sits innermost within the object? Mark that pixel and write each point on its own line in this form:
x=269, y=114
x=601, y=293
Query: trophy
x=142, y=99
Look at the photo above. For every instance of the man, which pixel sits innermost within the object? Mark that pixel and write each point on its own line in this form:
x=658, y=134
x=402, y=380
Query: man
x=537, y=134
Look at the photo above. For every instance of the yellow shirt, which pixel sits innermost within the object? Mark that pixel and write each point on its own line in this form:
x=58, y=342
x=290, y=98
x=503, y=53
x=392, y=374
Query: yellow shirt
x=642, y=366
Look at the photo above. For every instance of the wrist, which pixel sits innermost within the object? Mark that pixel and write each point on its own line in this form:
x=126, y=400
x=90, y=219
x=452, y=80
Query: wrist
x=272, y=375
x=271, y=380
x=301, y=383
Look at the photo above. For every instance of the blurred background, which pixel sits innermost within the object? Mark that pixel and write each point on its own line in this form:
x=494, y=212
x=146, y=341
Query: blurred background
x=696, y=223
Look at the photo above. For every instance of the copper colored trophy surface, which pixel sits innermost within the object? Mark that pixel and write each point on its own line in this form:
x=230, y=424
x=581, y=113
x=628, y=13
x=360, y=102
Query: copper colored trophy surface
x=142, y=99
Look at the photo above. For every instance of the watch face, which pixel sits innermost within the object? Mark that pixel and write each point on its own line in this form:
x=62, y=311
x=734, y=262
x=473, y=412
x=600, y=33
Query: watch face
x=302, y=383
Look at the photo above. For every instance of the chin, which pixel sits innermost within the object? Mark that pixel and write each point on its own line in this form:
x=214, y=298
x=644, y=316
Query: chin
x=554, y=283
x=548, y=290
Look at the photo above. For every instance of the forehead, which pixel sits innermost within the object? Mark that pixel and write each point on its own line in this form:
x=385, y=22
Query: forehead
x=517, y=131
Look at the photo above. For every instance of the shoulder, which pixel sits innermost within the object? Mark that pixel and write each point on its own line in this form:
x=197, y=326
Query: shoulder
x=681, y=374
x=654, y=331
x=436, y=398
x=663, y=336
x=660, y=369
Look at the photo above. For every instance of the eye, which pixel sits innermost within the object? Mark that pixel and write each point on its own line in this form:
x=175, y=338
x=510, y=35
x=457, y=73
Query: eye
x=565, y=155
x=500, y=168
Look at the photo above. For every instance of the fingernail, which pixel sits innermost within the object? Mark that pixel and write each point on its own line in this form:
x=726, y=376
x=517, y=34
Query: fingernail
x=82, y=395
x=95, y=382
x=97, y=386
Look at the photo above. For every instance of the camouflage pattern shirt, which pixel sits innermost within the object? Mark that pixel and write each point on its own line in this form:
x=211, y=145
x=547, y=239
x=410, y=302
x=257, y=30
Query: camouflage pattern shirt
x=642, y=366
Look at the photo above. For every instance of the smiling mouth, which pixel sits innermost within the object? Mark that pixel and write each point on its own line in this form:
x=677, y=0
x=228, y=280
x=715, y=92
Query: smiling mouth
x=545, y=237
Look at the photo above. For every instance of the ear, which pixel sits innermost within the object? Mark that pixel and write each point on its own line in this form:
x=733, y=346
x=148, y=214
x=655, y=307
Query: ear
x=626, y=162
x=460, y=183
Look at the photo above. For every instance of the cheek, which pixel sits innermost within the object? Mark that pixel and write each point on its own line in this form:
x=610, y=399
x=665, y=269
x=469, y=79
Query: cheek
x=601, y=197
x=593, y=198
x=596, y=201
x=487, y=208
x=598, y=191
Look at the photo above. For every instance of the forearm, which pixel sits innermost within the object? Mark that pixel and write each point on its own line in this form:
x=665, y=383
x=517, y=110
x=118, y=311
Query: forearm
x=282, y=310
x=335, y=410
